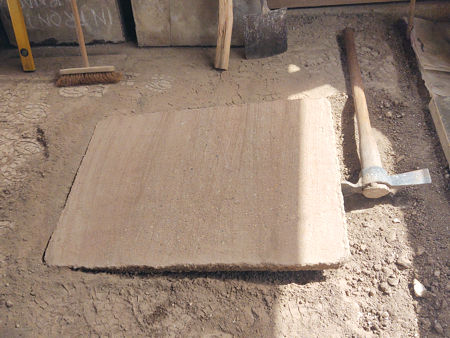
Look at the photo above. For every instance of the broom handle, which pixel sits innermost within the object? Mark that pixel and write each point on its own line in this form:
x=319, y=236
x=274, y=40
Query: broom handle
x=80, y=34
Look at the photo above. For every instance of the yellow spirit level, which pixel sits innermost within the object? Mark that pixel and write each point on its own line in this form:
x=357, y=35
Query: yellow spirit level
x=20, y=32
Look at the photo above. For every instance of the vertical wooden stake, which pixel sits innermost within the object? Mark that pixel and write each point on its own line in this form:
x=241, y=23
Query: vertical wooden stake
x=224, y=30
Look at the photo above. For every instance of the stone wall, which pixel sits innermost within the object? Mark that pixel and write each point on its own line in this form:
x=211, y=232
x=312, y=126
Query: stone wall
x=158, y=22
x=186, y=22
x=51, y=21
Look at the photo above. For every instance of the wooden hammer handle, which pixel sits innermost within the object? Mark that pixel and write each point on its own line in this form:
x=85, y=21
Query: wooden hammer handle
x=80, y=35
x=368, y=150
x=224, y=31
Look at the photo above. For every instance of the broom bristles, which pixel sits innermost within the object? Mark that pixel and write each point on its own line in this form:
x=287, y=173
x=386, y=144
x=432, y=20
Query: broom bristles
x=88, y=79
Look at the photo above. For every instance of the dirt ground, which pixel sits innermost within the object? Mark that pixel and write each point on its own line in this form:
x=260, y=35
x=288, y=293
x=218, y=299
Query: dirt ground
x=44, y=132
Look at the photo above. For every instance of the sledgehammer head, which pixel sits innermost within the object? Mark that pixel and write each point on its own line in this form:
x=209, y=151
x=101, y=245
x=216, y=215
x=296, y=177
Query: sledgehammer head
x=375, y=182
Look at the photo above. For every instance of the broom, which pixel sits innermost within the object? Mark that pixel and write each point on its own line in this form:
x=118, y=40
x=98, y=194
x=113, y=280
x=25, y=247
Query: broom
x=85, y=75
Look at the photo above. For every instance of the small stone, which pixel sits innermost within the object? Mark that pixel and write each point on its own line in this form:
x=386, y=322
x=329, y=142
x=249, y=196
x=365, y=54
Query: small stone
x=390, y=259
x=363, y=247
x=9, y=304
x=419, y=289
x=17, y=325
x=387, y=270
x=437, y=304
x=403, y=262
x=447, y=287
x=447, y=176
x=387, y=104
x=438, y=327
x=393, y=281
x=391, y=237
x=396, y=220
x=388, y=114
x=7, y=225
x=426, y=324
x=384, y=287
x=420, y=250
x=437, y=273
x=371, y=293
x=377, y=267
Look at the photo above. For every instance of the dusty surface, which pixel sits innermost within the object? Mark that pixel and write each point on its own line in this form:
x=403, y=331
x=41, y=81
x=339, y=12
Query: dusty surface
x=241, y=187
x=44, y=134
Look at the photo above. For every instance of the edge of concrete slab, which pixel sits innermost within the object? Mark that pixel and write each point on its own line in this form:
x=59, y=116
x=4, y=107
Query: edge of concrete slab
x=437, y=111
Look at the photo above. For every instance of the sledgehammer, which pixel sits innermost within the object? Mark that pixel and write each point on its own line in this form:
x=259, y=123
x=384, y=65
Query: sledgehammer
x=374, y=181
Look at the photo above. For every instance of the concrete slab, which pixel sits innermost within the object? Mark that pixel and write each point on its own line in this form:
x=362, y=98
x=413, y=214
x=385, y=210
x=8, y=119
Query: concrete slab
x=193, y=22
x=429, y=39
x=253, y=187
x=51, y=21
x=187, y=22
x=152, y=20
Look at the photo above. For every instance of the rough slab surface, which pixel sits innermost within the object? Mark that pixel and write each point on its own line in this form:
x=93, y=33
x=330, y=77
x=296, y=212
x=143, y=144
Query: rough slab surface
x=430, y=42
x=253, y=187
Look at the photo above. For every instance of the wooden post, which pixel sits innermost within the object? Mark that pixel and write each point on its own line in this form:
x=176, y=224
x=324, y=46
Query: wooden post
x=224, y=31
x=20, y=32
x=412, y=9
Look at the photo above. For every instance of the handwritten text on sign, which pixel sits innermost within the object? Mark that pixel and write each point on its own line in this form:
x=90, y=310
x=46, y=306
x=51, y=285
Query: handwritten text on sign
x=58, y=13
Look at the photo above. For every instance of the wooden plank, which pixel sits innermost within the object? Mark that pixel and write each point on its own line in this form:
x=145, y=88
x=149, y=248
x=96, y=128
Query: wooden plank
x=429, y=40
x=440, y=112
x=253, y=187
x=318, y=3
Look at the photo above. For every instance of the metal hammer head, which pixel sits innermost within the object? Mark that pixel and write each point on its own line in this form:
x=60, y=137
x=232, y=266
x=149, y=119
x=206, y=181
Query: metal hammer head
x=375, y=182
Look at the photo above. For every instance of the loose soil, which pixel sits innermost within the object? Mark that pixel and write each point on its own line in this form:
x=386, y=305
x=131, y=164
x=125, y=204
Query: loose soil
x=44, y=133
